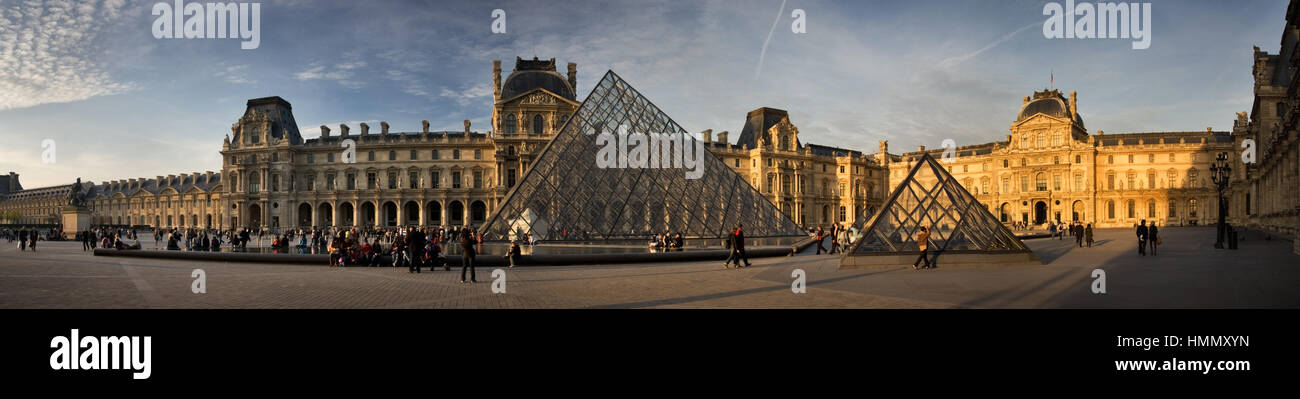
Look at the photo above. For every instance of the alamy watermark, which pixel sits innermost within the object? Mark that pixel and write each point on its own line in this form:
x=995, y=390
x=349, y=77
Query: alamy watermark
x=624, y=150
x=1100, y=21
x=195, y=20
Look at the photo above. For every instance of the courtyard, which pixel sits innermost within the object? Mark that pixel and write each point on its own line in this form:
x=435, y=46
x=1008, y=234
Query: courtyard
x=1187, y=273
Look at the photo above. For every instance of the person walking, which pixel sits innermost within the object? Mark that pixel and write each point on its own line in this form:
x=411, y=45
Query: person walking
x=1087, y=235
x=467, y=255
x=820, y=236
x=1077, y=230
x=1153, y=237
x=739, y=236
x=835, y=238
x=22, y=239
x=730, y=243
x=923, y=242
x=1142, y=234
x=86, y=240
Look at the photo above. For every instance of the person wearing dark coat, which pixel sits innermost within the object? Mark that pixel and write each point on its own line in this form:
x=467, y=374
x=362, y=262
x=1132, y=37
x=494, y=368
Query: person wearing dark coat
x=467, y=255
x=1142, y=234
x=85, y=241
x=415, y=250
x=22, y=240
x=740, y=246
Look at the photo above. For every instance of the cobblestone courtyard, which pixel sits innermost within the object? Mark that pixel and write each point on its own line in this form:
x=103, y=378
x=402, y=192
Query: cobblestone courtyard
x=1188, y=273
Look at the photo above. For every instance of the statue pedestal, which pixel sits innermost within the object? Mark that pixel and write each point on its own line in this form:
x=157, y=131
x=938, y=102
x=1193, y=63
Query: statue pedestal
x=75, y=220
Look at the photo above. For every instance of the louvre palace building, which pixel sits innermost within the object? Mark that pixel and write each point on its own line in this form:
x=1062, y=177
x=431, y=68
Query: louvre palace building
x=366, y=176
x=1050, y=168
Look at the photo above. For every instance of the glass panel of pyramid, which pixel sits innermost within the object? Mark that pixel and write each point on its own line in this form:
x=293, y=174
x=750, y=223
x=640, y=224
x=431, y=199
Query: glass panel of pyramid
x=931, y=197
x=566, y=196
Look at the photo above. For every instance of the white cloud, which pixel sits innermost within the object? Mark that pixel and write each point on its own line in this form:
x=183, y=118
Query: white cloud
x=47, y=52
x=466, y=96
x=237, y=74
x=339, y=73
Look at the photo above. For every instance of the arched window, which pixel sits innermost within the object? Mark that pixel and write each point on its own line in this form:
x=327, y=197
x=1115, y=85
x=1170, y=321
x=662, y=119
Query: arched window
x=511, y=125
x=1040, y=182
x=538, y=124
x=1042, y=140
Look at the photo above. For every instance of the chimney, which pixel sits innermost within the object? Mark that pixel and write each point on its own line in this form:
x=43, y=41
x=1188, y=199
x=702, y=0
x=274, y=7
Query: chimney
x=1026, y=101
x=722, y=137
x=884, y=146
x=920, y=148
x=1074, y=103
x=707, y=133
x=383, y=127
x=496, y=82
x=424, y=125
x=365, y=129
x=573, y=77
x=467, y=128
x=324, y=131
x=207, y=177
x=160, y=181
x=343, y=130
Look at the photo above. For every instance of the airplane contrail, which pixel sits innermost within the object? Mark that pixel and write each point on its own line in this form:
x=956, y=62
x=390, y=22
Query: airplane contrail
x=763, y=54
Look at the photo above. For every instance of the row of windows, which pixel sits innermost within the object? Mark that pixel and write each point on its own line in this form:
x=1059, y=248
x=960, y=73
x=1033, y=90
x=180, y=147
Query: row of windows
x=1131, y=210
x=413, y=156
x=511, y=124
x=413, y=180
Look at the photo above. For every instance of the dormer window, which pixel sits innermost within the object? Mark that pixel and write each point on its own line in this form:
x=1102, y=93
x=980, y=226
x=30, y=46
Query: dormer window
x=256, y=135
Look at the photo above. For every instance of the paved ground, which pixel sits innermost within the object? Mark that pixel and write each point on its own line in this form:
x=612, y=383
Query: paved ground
x=1188, y=273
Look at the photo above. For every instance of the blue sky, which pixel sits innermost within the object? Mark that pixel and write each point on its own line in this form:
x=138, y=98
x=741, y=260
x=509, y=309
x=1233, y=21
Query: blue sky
x=119, y=103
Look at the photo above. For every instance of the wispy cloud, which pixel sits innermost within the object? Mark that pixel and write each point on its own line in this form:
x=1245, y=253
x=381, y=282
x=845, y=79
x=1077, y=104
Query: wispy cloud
x=237, y=74
x=48, y=52
x=954, y=61
x=341, y=73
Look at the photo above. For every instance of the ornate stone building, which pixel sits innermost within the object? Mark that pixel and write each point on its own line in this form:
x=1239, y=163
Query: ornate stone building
x=1051, y=169
x=814, y=185
x=1265, y=195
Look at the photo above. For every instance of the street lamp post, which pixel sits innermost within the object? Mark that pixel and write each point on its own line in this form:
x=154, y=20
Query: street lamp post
x=1220, y=173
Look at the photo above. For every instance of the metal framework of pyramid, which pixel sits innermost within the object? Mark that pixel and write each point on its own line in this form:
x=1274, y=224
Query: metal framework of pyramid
x=565, y=196
x=931, y=197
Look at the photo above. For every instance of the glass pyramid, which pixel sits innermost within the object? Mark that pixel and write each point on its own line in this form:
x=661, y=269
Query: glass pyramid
x=566, y=196
x=931, y=197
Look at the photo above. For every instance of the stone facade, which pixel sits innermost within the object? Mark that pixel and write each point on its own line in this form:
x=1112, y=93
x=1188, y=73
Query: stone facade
x=1051, y=169
x=1266, y=195
x=814, y=185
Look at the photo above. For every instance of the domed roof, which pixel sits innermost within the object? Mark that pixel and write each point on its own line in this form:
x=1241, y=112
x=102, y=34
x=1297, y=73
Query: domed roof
x=1050, y=103
x=533, y=74
x=1047, y=106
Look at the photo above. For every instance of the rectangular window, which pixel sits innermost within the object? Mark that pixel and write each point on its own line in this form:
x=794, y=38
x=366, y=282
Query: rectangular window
x=413, y=178
x=275, y=183
x=455, y=154
x=478, y=154
x=352, y=181
x=370, y=156
x=329, y=157
x=392, y=180
x=435, y=155
x=1110, y=182
x=1056, y=182
x=311, y=183
x=435, y=176
x=455, y=179
x=510, y=176
x=370, y=180
x=415, y=155
x=1173, y=209
x=478, y=179
x=311, y=158
x=329, y=182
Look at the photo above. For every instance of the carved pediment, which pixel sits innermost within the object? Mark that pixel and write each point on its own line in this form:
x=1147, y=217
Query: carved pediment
x=537, y=97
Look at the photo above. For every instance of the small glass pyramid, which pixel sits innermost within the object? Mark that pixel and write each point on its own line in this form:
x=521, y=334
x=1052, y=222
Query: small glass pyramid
x=931, y=197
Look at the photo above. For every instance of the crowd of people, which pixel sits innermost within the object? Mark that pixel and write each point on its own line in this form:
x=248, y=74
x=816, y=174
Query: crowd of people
x=414, y=248
x=841, y=237
x=27, y=238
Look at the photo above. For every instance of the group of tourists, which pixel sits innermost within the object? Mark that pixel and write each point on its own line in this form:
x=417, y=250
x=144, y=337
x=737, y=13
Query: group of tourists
x=667, y=241
x=26, y=238
x=840, y=237
x=735, y=244
x=414, y=248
